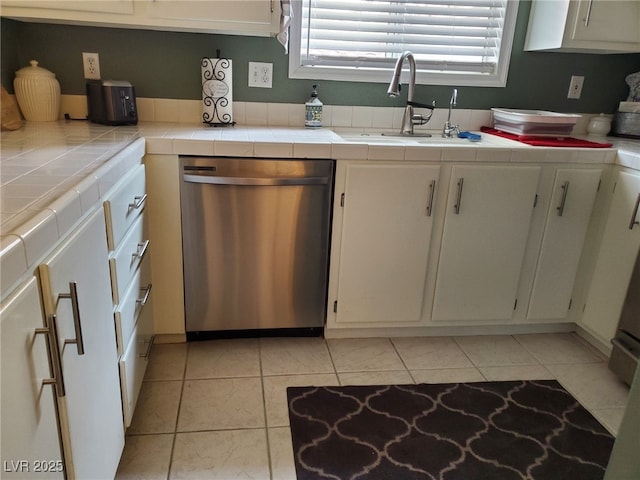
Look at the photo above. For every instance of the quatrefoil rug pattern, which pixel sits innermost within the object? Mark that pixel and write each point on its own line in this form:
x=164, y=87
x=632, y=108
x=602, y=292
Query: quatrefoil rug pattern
x=457, y=431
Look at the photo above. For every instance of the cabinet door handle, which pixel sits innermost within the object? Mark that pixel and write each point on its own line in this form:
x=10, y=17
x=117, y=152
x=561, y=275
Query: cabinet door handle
x=432, y=189
x=588, y=15
x=565, y=190
x=147, y=291
x=77, y=322
x=456, y=207
x=142, y=249
x=51, y=331
x=634, y=215
x=149, y=344
x=138, y=201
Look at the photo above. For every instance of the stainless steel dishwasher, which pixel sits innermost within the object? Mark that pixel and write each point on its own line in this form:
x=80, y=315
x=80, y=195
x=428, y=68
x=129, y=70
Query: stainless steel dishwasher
x=255, y=241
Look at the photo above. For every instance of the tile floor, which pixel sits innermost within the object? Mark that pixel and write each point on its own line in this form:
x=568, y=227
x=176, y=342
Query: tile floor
x=218, y=409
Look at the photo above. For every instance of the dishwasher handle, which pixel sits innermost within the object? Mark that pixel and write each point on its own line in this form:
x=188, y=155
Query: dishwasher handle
x=260, y=181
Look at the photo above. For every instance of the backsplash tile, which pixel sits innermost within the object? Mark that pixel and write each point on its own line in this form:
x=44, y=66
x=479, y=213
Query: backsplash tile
x=292, y=114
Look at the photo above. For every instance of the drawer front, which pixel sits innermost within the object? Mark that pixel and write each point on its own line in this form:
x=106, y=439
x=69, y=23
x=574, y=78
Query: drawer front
x=135, y=301
x=134, y=363
x=124, y=205
x=128, y=257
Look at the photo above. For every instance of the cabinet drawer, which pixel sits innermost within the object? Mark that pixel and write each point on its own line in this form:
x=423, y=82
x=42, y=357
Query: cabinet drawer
x=134, y=302
x=124, y=205
x=127, y=258
x=134, y=363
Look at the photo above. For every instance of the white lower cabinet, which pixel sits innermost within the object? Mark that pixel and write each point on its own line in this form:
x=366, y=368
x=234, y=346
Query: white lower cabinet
x=130, y=267
x=616, y=258
x=573, y=197
x=386, y=233
x=76, y=290
x=485, y=234
x=30, y=445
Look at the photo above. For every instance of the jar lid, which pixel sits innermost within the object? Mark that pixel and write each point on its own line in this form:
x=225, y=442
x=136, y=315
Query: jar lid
x=34, y=71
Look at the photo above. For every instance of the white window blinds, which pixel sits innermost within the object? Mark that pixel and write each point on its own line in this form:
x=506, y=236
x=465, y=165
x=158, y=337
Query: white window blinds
x=444, y=35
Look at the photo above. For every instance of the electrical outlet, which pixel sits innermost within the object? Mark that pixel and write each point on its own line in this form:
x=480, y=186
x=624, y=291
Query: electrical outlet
x=91, y=66
x=260, y=74
x=575, y=87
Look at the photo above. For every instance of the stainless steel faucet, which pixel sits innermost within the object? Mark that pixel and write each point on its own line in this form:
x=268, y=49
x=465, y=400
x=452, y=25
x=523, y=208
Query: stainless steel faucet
x=409, y=119
x=448, y=130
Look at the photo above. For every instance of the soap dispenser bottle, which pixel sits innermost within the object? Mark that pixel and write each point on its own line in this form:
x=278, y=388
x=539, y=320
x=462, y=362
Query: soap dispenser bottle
x=313, y=110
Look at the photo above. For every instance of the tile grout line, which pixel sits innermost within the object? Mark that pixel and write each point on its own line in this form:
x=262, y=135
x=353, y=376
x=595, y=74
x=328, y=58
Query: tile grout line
x=175, y=427
x=395, y=349
x=264, y=410
x=470, y=359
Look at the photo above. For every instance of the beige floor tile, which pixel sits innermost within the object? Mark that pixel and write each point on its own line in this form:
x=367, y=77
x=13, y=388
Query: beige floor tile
x=592, y=384
x=447, y=375
x=431, y=352
x=285, y=356
x=225, y=455
x=167, y=362
x=550, y=348
x=516, y=372
x=223, y=359
x=364, y=354
x=145, y=457
x=281, y=453
x=388, y=377
x=610, y=418
x=494, y=350
x=218, y=404
x=157, y=408
x=275, y=393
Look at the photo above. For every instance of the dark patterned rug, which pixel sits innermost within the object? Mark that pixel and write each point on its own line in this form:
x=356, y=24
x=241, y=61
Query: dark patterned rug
x=462, y=431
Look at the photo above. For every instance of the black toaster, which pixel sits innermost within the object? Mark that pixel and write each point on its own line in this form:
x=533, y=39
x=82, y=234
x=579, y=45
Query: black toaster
x=112, y=102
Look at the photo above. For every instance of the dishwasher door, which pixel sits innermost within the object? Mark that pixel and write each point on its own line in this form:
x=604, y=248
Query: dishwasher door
x=255, y=243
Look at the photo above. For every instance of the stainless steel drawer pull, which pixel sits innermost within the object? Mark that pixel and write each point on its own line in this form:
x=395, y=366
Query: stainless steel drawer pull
x=138, y=201
x=142, y=249
x=77, y=322
x=565, y=190
x=588, y=15
x=51, y=331
x=634, y=215
x=456, y=207
x=432, y=189
x=147, y=291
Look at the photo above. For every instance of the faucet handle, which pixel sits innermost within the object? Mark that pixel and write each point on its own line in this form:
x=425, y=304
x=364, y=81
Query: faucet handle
x=422, y=105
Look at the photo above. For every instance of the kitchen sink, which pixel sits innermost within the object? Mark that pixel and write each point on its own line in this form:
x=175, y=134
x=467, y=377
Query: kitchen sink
x=392, y=139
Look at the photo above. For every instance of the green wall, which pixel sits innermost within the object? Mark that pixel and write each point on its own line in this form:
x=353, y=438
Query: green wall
x=167, y=65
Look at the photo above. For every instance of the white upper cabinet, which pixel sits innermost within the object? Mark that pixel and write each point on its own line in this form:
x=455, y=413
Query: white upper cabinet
x=246, y=17
x=595, y=26
x=574, y=194
x=386, y=234
x=486, y=228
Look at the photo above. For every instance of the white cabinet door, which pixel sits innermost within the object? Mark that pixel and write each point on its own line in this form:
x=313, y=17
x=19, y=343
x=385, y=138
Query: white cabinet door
x=386, y=235
x=574, y=193
x=30, y=443
x=485, y=234
x=247, y=15
x=94, y=6
x=607, y=21
x=616, y=258
x=93, y=436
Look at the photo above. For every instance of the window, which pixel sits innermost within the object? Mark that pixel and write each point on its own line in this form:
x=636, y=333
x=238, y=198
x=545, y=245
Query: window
x=454, y=42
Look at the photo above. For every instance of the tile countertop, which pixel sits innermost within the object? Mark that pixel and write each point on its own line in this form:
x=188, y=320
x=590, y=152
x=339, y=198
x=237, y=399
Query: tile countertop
x=52, y=173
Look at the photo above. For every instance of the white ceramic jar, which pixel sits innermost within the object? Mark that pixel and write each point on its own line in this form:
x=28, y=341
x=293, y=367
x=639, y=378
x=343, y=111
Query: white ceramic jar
x=38, y=93
x=599, y=126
